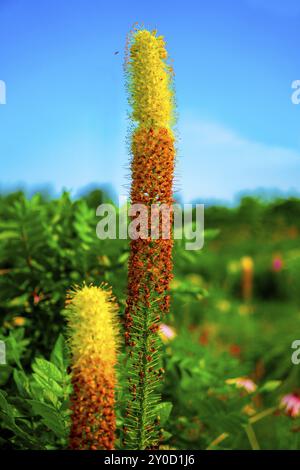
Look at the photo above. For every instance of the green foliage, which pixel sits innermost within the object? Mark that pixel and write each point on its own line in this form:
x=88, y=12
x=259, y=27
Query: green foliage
x=36, y=415
x=47, y=245
x=204, y=405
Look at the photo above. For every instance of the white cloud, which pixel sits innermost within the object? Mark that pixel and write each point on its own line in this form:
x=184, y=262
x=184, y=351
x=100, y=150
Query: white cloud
x=217, y=162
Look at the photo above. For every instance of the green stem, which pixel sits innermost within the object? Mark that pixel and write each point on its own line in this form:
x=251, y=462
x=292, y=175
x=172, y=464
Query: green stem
x=252, y=437
x=262, y=415
x=141, y=426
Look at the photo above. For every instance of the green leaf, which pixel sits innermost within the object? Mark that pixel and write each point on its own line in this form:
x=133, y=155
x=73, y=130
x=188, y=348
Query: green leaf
x=211, y=234
x=8, y=234
x=59, y=356
x=163, y=411
x=270, y=386
x=4, y=405
x=47, y=369
x=22, y=382
x=51, y=418
x=46, y=388
x=166, y=435
x=5, y=372
x=123, y=257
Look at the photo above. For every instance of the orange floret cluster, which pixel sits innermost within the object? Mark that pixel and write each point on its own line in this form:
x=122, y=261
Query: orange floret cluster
x=150, y=262
x=92, y=405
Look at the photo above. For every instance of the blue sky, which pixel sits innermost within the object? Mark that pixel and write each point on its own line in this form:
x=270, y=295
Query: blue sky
x=65, y=122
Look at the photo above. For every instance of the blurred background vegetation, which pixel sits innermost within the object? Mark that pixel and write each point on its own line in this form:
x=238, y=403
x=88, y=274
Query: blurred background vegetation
x=235, y=313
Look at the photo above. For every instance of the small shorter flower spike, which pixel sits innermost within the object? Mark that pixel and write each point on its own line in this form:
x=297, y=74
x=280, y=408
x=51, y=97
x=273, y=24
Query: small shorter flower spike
x=93, y=339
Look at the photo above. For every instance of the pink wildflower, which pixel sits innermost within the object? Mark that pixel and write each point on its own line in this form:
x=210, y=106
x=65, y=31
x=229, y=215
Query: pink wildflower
x=291, y=403
x=167, y=333
x=277, y=263
x=243, y=382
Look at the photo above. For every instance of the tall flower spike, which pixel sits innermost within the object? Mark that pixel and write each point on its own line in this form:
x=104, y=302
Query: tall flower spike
x=93, y=338
x=149, y=81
